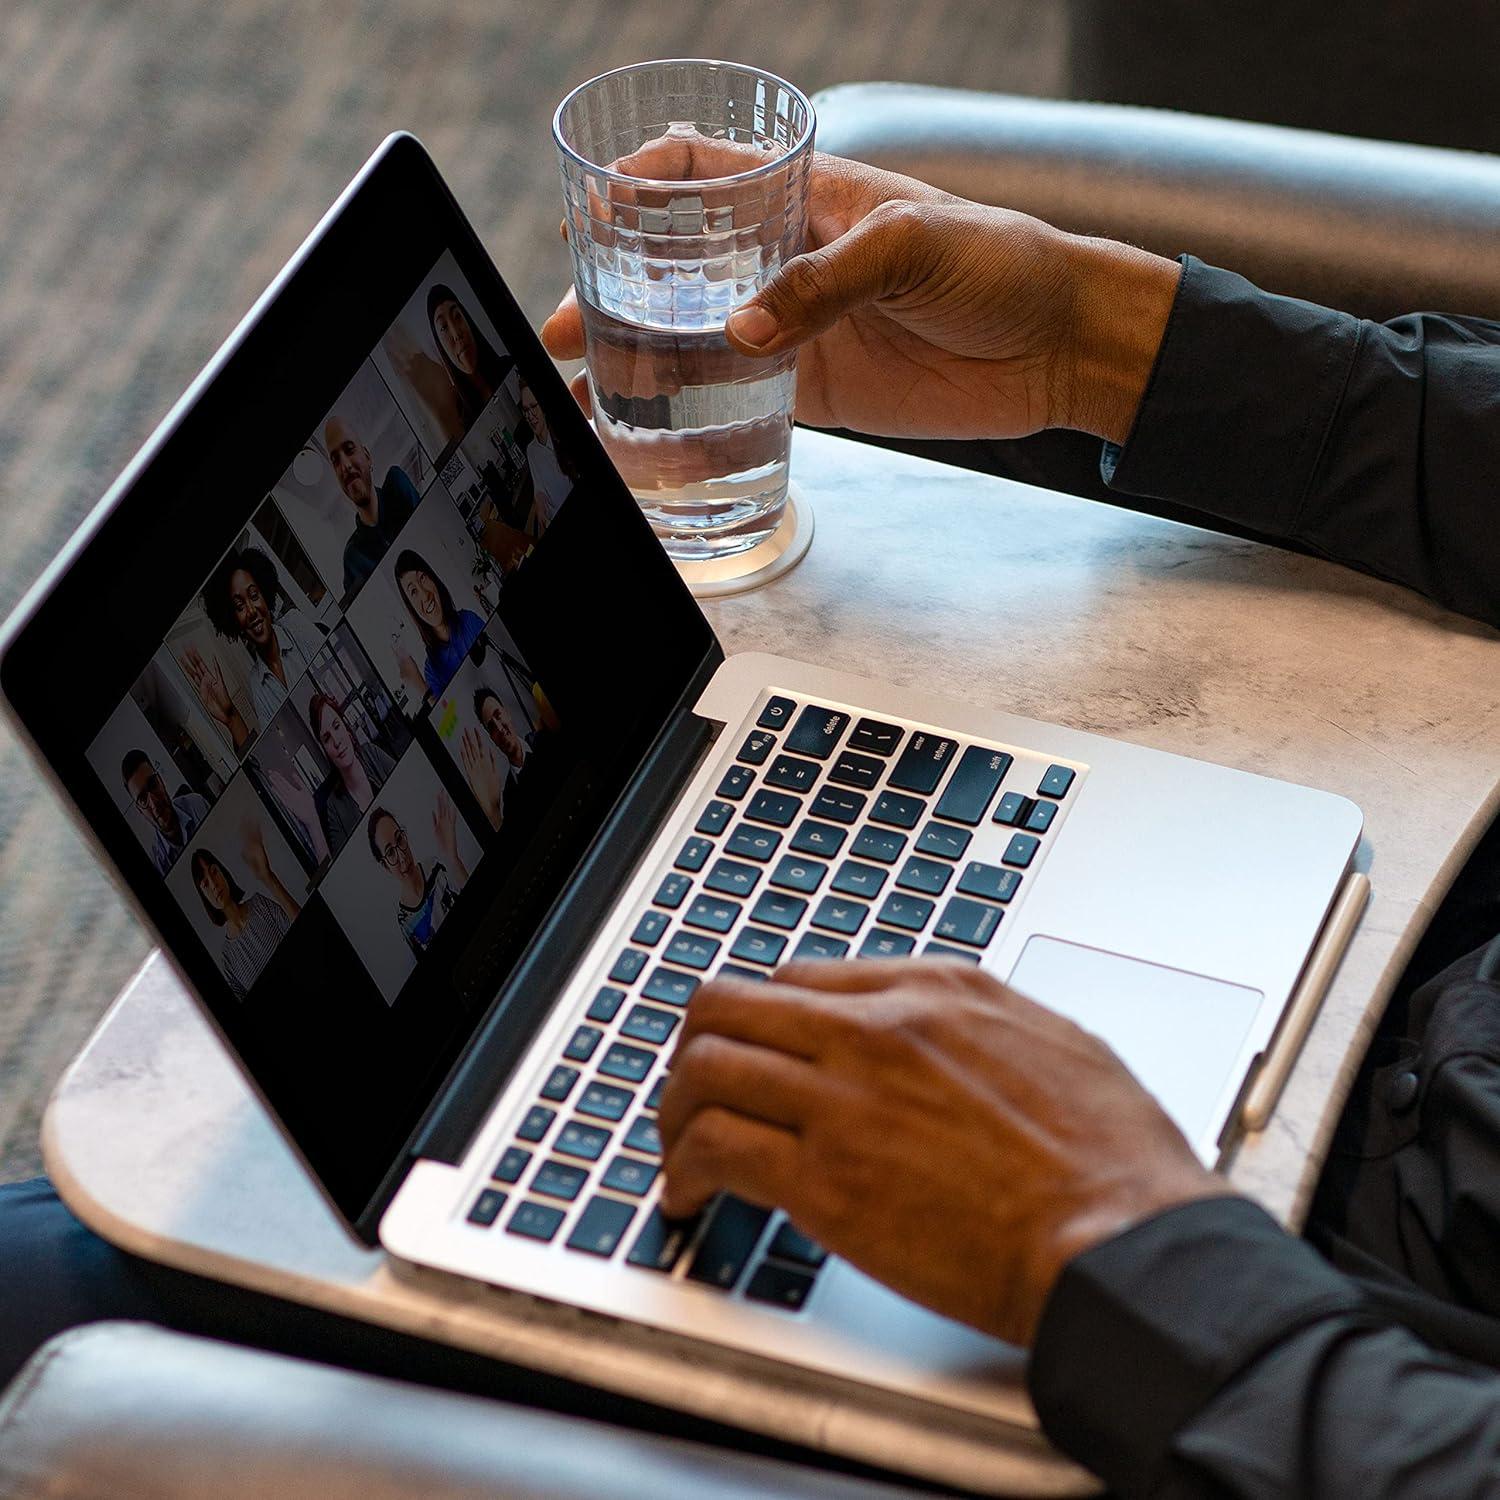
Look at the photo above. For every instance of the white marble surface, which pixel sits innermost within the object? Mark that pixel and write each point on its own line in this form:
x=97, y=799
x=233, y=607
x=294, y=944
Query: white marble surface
x=978, y=589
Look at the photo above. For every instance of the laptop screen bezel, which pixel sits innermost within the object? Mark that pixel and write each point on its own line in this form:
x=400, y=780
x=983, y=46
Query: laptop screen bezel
x=354, y=259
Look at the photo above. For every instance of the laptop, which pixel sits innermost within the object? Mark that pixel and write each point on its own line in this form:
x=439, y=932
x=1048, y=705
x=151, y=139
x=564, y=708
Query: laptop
x=441, y=796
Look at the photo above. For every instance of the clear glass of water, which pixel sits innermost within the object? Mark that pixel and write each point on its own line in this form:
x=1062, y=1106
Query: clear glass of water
x=685, y=187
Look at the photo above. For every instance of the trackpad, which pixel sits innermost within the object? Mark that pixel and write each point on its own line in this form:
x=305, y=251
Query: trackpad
x=1179, y=1033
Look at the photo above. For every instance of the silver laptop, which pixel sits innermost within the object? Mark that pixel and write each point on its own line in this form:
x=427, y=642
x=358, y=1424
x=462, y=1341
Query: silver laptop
x=445, y=801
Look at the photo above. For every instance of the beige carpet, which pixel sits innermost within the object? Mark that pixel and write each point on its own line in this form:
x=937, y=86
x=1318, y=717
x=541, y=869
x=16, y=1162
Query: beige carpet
x=158, y=161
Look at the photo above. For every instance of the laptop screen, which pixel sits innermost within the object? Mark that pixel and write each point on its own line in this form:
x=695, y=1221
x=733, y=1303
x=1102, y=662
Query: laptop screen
x=371, y=646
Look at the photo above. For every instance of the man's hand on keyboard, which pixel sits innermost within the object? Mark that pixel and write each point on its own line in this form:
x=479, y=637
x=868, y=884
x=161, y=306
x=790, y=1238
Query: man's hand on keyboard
x=920, y=314
x=939, y=1131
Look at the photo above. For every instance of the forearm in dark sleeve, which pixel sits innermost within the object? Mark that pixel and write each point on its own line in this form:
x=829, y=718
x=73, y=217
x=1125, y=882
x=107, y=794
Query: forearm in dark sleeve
x=1372, y=444
x=1206, y=1353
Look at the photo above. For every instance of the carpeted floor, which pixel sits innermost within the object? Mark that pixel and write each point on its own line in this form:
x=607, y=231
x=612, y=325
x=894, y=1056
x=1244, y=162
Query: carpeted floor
x=158, y=161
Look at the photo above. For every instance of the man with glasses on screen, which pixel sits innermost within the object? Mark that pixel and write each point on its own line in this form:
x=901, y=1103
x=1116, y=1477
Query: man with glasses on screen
x=173, y=820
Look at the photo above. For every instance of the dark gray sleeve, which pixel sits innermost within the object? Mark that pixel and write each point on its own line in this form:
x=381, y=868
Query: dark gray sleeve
x=1373, y=444
x=1206, y=1353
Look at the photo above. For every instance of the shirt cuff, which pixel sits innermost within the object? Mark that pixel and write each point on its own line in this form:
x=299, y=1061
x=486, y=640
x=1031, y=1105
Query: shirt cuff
x=1240, y=402
x=1141, y=1332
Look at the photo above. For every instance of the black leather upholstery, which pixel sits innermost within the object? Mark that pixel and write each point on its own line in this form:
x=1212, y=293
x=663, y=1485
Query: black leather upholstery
x=1369, y=226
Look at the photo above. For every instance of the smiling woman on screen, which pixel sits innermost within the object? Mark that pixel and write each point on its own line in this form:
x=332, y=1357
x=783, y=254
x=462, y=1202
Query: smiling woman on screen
x=241, y=601
x=446, y=630
x=472, y=365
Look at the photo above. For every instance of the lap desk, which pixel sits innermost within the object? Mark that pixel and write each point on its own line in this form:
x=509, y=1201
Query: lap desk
x=977, y=588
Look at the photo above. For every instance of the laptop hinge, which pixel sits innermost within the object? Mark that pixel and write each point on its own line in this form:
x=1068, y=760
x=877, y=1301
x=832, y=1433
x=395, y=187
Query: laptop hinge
x=501, y=1039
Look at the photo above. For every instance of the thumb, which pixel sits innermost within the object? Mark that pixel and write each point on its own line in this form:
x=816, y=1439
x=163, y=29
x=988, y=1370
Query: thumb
x=810, y=293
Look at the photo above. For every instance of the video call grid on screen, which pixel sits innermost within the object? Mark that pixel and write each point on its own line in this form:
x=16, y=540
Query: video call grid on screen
x=266, y=751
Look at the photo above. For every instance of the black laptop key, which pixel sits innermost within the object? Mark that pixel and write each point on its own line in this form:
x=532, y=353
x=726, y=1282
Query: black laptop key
x=879, y=844
x=661, y=1242
x=582, y=1043
x=649, y=929
x=647, y=1024
x=603, y=1101
x=736, y=781
x=975, y=780
x=837, y=914
x=856, y=879
x=1039, y=819
x=731, y=877
x=777, y=713
x=921, y=765
x=910, y=912
x=643, y=1136
x=943, y=950
x=781, y=1286
x=653, y=1099
x=875, y=737
x=487, y=1207
x=601, y=1227
x=897, y=810
x=749, y=842
x=711, y=913
x=1012, y=809
x=537, y=1221
x=789, y=1243
x=728, y=1242
x=816, y=732
x=756, y=748
x=627, y=1175
x=556, y=1179
x=692, y=856
x=837, y=805
x=776, y=808
x=925, y=875
x=674, y=887
x=1021, y=850
x=944, y=840
x=604, y=1005
x=586, y=1142
x=1056, y=782
x=669, y=987
x=819, y=945
x=989, y=881
x=792, y=773
x=629, y=1064
x=691, y=951
x=796, y=874
x=511, y=1164
x=756, y=946
x=823, y=839
x=856, y=770
x=878, y=943
x=714, y=818
x=739, y=971
x=627, y=967
x=775, y=909
x=559, y=1083
x=536, y=1123
x=965, y=921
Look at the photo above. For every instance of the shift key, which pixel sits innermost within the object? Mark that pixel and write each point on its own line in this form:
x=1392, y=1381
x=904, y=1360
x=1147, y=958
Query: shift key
x=973, y=785
x=922, y=763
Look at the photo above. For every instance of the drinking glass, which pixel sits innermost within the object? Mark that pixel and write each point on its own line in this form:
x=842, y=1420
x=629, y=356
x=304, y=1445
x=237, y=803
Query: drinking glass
x=685, y=188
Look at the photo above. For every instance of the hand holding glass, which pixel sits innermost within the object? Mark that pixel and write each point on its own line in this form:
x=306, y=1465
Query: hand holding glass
x=685, y=186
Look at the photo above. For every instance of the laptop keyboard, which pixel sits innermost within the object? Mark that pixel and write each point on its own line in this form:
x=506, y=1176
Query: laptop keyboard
x=831, y=835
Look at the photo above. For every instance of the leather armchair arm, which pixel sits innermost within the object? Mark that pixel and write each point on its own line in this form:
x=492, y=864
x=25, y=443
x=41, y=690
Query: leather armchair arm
x=1372, y=227
x=127, y=1409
